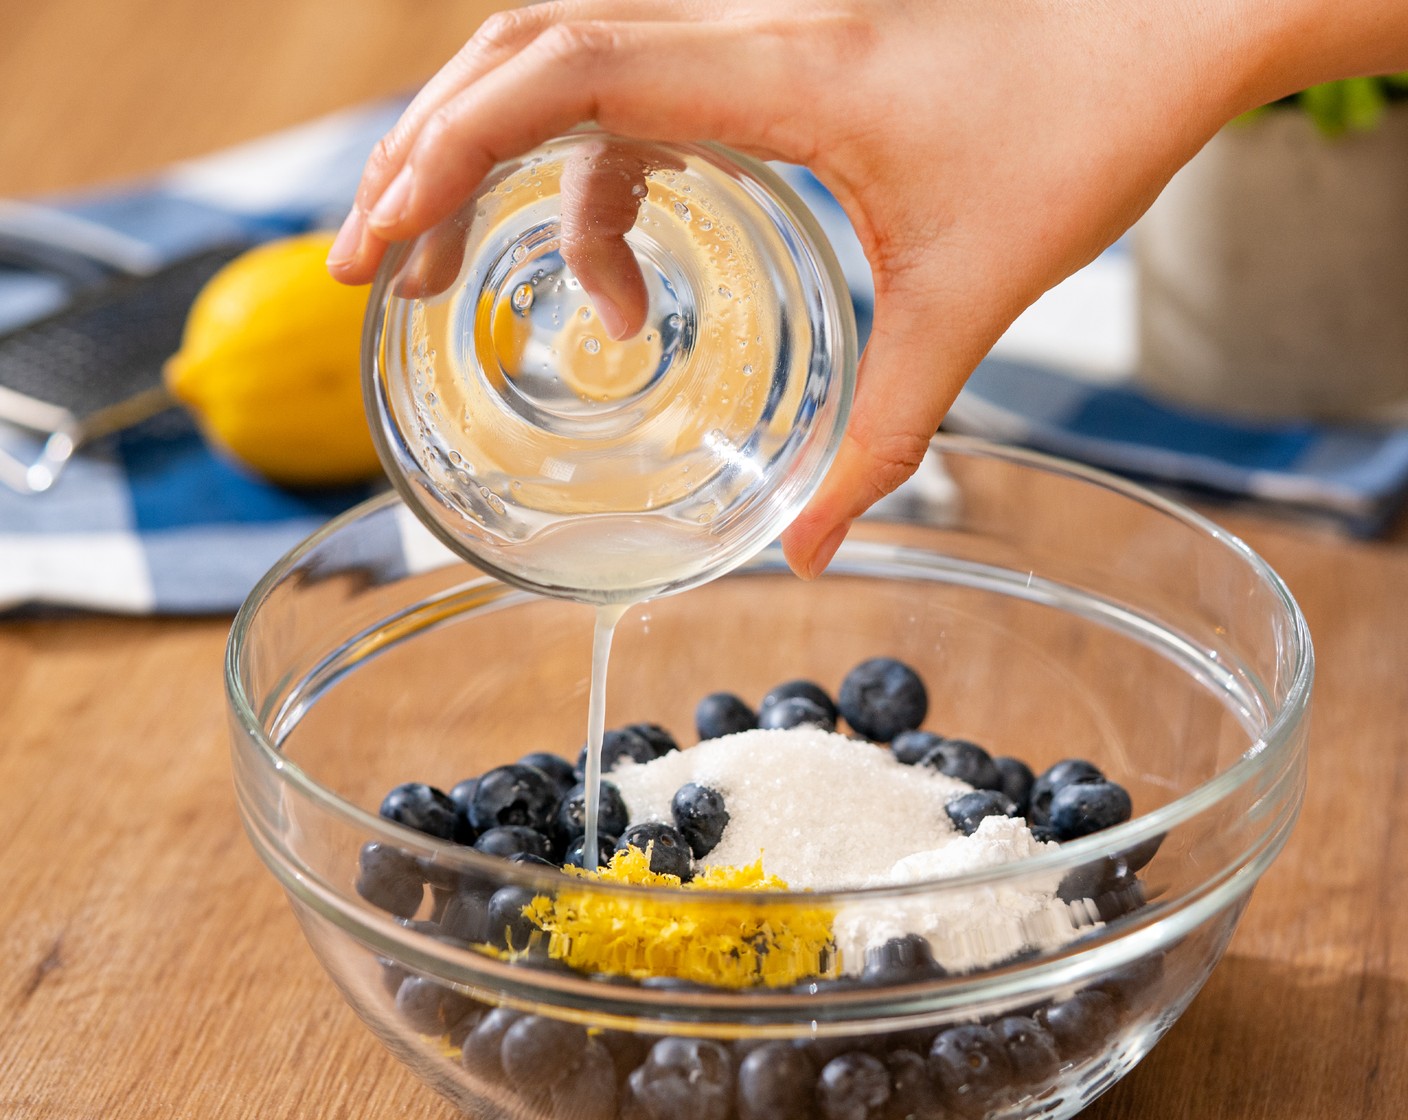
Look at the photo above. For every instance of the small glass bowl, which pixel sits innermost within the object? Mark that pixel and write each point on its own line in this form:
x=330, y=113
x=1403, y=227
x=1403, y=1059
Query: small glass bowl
x=1053, y=611
x=573, y=463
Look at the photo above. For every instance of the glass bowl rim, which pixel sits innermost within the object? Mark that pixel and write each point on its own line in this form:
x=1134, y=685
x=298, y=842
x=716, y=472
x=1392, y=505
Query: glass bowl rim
x=1269, y=747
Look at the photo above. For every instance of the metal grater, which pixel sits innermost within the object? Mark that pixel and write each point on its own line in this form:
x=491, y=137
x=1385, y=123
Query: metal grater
x=96, y=366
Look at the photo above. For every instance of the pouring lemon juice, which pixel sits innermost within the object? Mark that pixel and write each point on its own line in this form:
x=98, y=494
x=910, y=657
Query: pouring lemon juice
x=618, y=371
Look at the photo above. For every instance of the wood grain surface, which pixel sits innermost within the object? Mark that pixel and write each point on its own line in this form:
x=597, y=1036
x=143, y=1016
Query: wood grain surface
x=151, y=968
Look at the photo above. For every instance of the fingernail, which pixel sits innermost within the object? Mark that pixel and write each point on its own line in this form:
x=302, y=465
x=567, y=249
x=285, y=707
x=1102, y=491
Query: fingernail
x=827, y=549
x=392, y=205
x=611, y=318
x=348, y=239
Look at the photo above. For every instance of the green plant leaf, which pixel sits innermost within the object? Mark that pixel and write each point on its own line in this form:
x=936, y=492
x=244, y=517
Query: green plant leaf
x=1350, y=105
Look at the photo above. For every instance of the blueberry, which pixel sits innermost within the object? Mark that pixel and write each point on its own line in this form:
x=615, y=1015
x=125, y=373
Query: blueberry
x=853, y=1086
x=1081, y=1024
x=1031, y=1050
x=425, y=927
x=1137, y=857
x=683, y=1079
x=968, y=762
x=1016, y=781
x=910, y=747
x=390, y=879
x=968, y=810
x=1085, y=807
x=1045, y=833
x=901, y=960
x=822, y=1050
x=970, y=1064
x=508, y=926
x=775, y=1082
x=1064, y=773
x=461, y=794
x=1118, y=894
x=660, y=740
x=554, y=766
x=421, y=807
x=464, y=916
x=1090, y=880
x=612, y=815
x=537, y=1052
x=588, y=1092
x=796, y=711
x=1129, y=985
x=480, y=1052
x=510, y=840
x=575, y=856
x=667, y=848
x=882, y=697
x=913, y=1096
x=618, y=745
x=392, y=973
x=701, y=817
x=529, y=857
x=1111, y=882
x=809, y=690
x=459, y=1029
x=430, y=1007
x=521, y=795
x=723, y=713
x=627, y=1048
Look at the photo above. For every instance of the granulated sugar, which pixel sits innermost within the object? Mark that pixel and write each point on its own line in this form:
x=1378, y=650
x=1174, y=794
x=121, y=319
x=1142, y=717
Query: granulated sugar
x=825, y=812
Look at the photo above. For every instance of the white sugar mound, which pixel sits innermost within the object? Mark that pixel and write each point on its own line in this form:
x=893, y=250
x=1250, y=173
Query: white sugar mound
x=823, y=811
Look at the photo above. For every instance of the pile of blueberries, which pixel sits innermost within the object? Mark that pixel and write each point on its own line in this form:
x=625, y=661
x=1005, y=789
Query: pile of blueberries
x=563, y=1070
x=534, y=811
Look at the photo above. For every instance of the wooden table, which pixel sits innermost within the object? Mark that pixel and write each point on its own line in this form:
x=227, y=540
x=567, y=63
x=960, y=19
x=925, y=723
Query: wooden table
x=151, y=967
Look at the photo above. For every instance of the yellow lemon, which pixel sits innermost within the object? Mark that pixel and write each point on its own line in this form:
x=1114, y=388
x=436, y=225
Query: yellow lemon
x=270, y=365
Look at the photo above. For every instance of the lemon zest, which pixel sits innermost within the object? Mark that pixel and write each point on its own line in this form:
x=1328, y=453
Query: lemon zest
x=721, y=943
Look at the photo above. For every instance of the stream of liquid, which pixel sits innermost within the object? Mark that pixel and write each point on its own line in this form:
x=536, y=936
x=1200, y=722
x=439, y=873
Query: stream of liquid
x=607, y=616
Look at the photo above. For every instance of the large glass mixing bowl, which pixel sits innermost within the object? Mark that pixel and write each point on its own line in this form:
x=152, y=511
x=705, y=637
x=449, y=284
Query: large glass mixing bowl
x=1054, y=612
x=564, y=458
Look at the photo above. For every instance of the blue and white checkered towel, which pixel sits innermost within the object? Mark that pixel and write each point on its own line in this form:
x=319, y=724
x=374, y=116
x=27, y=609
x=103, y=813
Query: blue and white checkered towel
x=151, y=522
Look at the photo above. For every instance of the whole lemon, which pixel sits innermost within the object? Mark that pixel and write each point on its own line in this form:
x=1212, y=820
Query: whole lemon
x=270, y=365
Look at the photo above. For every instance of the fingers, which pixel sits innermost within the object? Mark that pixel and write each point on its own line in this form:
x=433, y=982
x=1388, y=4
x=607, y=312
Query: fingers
x=588, y=71
x=434, y=264
x=499, y=37
x=357, y=250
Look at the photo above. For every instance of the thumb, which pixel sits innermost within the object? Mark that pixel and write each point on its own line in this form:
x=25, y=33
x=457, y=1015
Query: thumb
x=904, y=386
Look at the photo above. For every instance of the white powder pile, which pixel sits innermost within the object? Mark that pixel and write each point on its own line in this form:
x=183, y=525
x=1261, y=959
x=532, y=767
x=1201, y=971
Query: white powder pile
x=825, y=812
x=975, y=926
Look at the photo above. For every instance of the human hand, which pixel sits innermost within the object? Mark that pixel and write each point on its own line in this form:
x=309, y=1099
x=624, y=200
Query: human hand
x=983, y=152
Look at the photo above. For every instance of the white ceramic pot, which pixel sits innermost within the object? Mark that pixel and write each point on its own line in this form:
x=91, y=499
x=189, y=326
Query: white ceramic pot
x=1273, y=273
